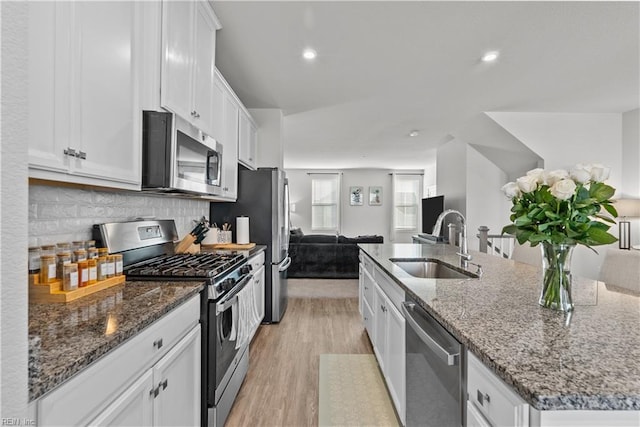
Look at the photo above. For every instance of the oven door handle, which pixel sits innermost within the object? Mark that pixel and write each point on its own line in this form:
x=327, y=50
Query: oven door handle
x=449, y=358
x=230, y=299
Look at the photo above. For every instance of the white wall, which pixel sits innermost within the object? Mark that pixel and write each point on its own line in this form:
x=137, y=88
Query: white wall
x=62, y=214
x=631, y=165
x=451, y=175
x=13, y=213
x=270, y=139
x=356, y=220
x=486, y=204
x=563, y=140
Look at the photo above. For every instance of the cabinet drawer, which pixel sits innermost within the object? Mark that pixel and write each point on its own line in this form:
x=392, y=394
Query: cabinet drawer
x=492, y=397
x=367, y=316
x=367, y=287
x=78, y=400
x=393, y=291
x=256, y=261
x=367, y=262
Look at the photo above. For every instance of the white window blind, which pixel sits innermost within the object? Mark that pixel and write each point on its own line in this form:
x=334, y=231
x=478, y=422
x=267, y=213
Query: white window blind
x=407, y=191
x=325, y=198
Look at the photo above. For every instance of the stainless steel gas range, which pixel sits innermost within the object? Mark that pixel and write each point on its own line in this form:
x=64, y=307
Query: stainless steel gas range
x=147, y=249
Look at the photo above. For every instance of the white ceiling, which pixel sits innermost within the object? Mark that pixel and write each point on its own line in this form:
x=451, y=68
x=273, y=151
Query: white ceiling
x=385, y=68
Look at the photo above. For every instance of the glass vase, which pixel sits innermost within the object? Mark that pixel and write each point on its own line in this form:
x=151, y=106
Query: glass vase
x=556, y=276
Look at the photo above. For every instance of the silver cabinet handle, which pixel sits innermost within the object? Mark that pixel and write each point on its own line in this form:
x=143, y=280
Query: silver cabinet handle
x=81, y=155
x=154, y=392
x=164, y=384
x=158, y=343
x=482, y=397
x=70, y=152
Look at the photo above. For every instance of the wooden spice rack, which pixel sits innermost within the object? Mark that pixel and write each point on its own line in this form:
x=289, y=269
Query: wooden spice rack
x=52, y=292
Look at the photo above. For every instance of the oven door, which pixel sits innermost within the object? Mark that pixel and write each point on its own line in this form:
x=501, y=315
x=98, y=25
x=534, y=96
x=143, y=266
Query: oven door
x=222, y=339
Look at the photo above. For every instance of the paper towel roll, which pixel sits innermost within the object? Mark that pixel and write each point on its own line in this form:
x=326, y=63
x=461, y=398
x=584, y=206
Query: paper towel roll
x=242, y=230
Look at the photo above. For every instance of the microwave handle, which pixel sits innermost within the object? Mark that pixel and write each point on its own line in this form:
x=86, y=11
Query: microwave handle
x=210, y=154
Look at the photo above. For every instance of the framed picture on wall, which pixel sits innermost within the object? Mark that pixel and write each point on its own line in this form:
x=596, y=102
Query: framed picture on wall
x=375, y=196
x=356, y=196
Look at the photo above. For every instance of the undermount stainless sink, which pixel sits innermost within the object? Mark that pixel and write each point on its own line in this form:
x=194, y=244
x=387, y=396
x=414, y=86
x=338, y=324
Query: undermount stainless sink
x=432, y=269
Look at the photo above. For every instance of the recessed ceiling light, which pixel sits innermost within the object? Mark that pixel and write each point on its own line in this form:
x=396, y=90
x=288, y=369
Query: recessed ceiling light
x=490, y=56
x=309, y=53
x=414, y=133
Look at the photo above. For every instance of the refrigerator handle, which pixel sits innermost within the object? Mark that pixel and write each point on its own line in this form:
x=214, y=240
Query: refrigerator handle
x=285, y=265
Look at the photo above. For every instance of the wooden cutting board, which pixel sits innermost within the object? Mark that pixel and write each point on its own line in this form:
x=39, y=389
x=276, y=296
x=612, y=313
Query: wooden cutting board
x=230, y=246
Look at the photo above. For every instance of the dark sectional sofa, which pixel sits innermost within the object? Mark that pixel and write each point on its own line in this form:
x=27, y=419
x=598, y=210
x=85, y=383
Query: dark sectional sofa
x=322, y=256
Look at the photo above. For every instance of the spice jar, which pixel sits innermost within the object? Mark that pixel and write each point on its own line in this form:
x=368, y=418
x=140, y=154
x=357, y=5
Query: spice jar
x=48, y=249
x=92, y=253
x=83, y=273
x=34, y=259
x=77, y=244
x=62, y=258
x=102, y=268
x=79, y=255
x=111, y=266
x=70, y=277
x=63, y=247
x=118, y=264
x=103, y=251
x=47, y=268
x=93, y=270
x=88, y=244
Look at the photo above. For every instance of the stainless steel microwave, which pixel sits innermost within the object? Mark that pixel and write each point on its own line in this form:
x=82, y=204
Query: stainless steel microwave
x=179, y=158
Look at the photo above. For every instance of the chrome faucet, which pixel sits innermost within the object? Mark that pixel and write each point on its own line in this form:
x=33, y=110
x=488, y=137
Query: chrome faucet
x=464, y=252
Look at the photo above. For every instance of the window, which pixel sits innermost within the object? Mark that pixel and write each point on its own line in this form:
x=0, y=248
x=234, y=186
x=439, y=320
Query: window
x=407, y=191
x=325, y=198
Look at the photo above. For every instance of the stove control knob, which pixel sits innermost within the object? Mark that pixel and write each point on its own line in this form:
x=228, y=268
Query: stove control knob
x=227, y=284
x=246, y=269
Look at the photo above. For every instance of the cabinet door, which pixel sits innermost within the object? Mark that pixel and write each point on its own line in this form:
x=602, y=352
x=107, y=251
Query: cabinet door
x=380, y=320
x=230, y=147
x=134, y=407
x=177, y=57
x=48, y=54
x=203, y=68
x=258, y=278
x=105, y=113
x=177, y=376
x=395, y=358
x=247, y=138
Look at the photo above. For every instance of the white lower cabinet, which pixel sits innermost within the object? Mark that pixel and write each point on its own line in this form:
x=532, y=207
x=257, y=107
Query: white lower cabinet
x=257, y=271
x=154, y=379
x=493, y=399
x=386, y=328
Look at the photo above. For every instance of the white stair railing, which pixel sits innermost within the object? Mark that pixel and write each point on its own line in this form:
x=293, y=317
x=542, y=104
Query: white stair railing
x=495, y=244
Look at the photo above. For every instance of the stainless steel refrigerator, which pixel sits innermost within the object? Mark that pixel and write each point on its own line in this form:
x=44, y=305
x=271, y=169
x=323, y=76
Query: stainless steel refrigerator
x=263, y=196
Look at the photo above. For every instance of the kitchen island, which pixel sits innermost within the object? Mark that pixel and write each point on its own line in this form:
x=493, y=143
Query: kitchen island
x=586, y=360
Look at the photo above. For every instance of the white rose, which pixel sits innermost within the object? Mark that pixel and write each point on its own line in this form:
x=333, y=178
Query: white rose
x=599, y=173
x=527, y=184
x=581, y=173
x=511, y=190
x=538, y=174
x=555, y=176
x=563, y=189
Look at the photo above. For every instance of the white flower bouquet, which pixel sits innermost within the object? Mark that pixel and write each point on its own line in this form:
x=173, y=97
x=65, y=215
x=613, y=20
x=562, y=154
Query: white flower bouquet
x=562, y=207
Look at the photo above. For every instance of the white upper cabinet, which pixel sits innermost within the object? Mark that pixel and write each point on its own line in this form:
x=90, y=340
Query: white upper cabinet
x=248, y=141
x=188, y=61
x=83, y=92
x=227, y=109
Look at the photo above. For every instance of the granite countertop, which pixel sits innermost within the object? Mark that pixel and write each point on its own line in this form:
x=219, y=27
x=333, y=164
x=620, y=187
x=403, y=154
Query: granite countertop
x=586, y=360
x=64, y=339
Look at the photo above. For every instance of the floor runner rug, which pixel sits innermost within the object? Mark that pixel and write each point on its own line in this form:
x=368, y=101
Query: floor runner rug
x=352, y=392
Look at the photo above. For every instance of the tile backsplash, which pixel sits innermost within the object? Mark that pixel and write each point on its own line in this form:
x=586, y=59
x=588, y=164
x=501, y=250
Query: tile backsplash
x=62, y=214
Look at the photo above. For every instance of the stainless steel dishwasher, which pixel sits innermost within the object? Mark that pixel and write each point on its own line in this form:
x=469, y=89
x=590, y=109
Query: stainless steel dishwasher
x=434, y=369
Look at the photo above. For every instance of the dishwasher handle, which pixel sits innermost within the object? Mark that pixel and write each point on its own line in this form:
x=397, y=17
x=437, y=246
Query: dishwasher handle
x=450, y=359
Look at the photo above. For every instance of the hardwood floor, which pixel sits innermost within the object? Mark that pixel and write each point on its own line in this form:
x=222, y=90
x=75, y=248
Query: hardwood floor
x=281, y=387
